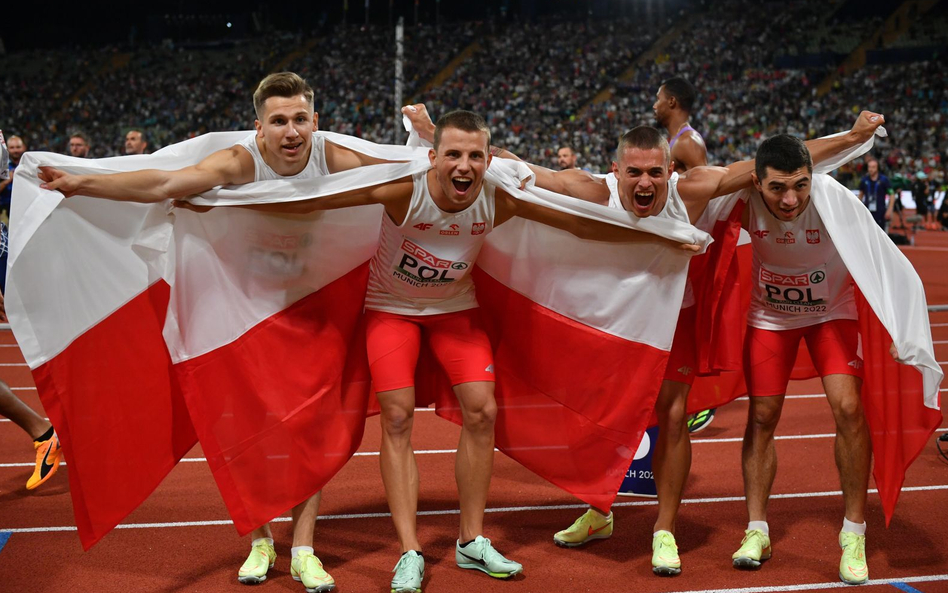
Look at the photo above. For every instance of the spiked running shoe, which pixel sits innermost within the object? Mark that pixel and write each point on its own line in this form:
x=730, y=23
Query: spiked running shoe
x=665, y=559
x=481, y=555
x=755, y=548
x=48, y=455
x=409, y=573
x=853, y=569
x=308, y=570
x=700, y=421
x=261, y=559
x=591, y=525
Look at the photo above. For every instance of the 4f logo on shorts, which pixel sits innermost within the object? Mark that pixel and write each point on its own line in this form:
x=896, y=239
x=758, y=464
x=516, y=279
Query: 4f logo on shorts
x=451, y=230
x=787, y=239
x=812, y=236
x=761, y=234
x=478, y=228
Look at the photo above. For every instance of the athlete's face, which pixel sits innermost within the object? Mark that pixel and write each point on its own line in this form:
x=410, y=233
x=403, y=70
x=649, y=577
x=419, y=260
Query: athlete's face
x=786, y=194
x=873, y=167
x=134, y=143
x=661, y=107
x=460, y=162
x=642, y=176
x=16, y=148
x=286, y=128
x=566, y=158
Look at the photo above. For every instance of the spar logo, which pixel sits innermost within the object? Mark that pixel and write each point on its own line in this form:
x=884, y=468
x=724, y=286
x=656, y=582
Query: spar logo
x=419, y=267
x=478, y=228
x=813, y=236
x=761, y=234
x=787, y=239
x=794, y=293
x=451, y=230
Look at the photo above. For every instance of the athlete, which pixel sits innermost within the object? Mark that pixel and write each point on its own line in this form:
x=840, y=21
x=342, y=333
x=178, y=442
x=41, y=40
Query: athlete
x=673, y=105
x=802, y=290
x=282, y=147
x=642, y=182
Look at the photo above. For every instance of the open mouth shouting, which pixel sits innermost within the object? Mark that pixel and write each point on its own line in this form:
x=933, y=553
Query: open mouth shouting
x=642, y=201
x=462, y=184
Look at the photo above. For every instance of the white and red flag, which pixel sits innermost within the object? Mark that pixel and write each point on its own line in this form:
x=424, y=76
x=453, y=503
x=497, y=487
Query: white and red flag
x=148, y=329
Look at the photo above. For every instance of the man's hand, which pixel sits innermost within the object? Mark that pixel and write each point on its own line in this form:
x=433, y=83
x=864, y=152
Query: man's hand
x=893, y=351
x=866, y=125
x=56, y=180
x=418, y=115
x=186, y=205
x=690, y=247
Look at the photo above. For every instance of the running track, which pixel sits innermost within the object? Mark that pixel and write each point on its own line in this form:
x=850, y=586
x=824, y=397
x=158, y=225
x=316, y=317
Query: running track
x=181, y=539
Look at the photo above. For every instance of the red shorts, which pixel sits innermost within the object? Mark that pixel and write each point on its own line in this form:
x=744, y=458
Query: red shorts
x=835, y=347
x=457, y=340
x=683, y=357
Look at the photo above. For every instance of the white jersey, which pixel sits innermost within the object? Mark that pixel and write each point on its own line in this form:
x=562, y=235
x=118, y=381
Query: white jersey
x=674, y=209
x=316, y=167
x=799, y=277
x=423, y=266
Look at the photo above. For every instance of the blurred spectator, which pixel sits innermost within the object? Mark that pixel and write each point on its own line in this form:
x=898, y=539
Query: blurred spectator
x=566, y=158
x=873, y=190
x=15, y=148
x=135, y=142
x=923, y=195
x=79, y=145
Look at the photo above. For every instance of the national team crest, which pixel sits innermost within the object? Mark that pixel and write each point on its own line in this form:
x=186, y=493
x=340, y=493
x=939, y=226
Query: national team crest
x=478, y=228
x=813, y=236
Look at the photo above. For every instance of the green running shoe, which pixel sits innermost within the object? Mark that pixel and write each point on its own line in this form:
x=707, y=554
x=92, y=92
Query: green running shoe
x=853, y=569
x=755, y=548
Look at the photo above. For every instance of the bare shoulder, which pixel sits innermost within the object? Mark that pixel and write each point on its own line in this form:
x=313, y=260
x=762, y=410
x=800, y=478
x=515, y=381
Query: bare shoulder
x=232, y=166
x=586, y=186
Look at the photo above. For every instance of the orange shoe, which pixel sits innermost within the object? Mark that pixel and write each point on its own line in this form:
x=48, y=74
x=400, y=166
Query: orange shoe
x=48, y=455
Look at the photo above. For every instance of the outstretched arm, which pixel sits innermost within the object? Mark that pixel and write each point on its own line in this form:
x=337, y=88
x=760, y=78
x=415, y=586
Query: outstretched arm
x=231, y=166
x=584, y=228
x=388, y=194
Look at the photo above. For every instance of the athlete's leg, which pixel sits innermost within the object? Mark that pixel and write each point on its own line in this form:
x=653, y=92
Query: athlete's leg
x=853, y=446
x=671, y=461
x=475, y=458
x=759, y=454
x=304, y=521
x=21, y=414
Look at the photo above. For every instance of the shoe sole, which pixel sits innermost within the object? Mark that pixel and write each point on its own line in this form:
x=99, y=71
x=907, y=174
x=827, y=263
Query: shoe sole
x=666, y=571
x=408, y=590
x=745, y=563
x=496, y=575
x=251, y=580
x=319, y=589
x=862, y=582
x=564, y=544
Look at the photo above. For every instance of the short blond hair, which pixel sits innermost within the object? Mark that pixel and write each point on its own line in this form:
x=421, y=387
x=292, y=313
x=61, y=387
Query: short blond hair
x=281, y=84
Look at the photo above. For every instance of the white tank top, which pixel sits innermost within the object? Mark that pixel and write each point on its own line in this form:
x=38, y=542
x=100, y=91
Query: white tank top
x=674, y=209
x=799, y=278
x=423, y=266
x=316, y=166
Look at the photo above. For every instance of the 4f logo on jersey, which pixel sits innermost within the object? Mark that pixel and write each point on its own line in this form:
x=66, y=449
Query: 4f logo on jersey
x=787, y=239
x=451, y=230
x=761, y=234
x=812, y=236
x=478, y=228
x=423, y=226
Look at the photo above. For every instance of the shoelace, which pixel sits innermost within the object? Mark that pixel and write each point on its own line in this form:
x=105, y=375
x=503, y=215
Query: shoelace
x=666, y=540
x=492, y=555
x=406, y=562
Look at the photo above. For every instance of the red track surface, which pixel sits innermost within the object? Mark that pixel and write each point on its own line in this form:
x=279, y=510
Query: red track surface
x=361, y=550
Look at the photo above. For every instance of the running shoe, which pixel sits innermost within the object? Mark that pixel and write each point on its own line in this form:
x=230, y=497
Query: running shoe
x=308, y=570
x=665, y=559
x=261, y=559
x=700, y=421
x=481, y=555
x=853, y=569
x=755, y=548
x=48, y=455
x=409, y=572
x=591, y=525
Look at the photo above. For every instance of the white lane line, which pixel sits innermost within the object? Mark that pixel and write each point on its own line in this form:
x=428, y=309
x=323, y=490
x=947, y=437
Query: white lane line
x=794, y=437
x=818, y=586
x=520, y=509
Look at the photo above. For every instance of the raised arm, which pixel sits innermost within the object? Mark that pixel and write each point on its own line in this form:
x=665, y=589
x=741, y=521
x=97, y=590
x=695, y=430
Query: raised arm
x=394, y=195
x=584, y=228
x=701, y=184
x=231, y=166
x=339, y=158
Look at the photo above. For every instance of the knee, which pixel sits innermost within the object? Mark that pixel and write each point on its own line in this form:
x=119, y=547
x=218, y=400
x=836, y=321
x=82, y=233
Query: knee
x=397, y=422
x=481, y=418
x=672, y=415
x=849, y=415
x=764, y=417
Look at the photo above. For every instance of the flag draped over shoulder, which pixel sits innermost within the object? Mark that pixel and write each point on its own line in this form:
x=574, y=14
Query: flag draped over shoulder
x=901, y=400
x=241, y=329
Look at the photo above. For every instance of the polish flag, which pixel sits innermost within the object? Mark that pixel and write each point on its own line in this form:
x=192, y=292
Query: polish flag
x=148, y=329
